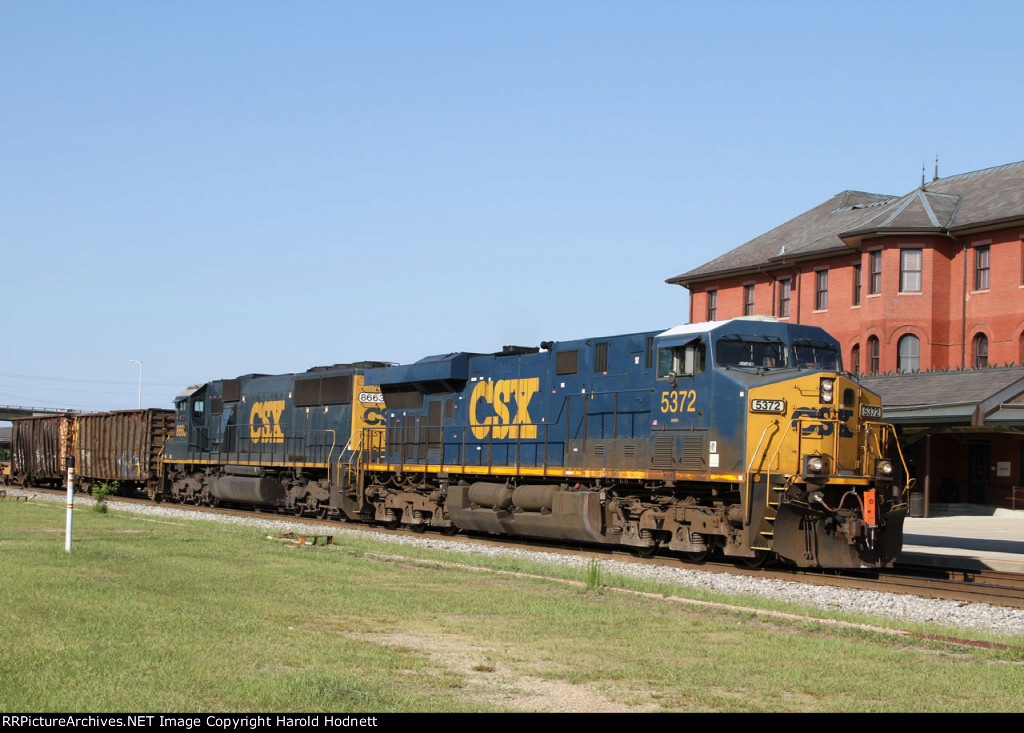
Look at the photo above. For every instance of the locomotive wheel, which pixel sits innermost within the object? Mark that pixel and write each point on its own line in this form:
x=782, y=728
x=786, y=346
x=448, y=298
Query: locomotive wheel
x=759, y=560
x=322, y=512
x=699, y=557
x=449, y=531
x=645, y=551
x=418, y=528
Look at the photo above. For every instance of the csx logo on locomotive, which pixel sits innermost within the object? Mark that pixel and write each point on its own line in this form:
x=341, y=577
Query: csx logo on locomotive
x=499, y=395
x=265, y=422
x=823, y=428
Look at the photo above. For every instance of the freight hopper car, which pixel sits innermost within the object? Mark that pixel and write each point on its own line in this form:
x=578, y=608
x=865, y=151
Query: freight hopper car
x=743, y=437
x=278, y=441
x=124, y=446
x=40, y=446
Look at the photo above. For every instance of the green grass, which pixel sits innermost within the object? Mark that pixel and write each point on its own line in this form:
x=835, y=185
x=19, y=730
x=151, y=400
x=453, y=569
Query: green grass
x=157, y=615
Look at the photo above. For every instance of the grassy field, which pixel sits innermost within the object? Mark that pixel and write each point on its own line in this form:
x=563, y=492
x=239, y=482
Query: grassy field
x=150, y=615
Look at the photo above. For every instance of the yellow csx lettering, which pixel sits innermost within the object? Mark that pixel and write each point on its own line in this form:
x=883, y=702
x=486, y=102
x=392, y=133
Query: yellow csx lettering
x=498, y=395
x=265, y=422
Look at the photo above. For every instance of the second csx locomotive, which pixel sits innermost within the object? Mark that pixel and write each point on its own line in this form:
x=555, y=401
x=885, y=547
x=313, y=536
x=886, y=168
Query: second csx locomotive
x=278, y=441
x=743, y=437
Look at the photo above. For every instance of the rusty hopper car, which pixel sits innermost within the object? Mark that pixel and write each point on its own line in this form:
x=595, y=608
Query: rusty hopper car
x=123, y=446
x=40, y=447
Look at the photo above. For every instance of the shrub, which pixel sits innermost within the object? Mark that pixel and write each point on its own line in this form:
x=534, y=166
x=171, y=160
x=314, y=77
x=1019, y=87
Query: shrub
x=100, y=492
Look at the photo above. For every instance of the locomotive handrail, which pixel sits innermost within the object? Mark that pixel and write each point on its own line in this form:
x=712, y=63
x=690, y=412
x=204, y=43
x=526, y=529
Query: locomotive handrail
x=798, y=422
x=768, y=472
x=398, y=451
x=565, y=409
x=310, y=444
x=775, y=424
x=890, y=428
x=334, y=442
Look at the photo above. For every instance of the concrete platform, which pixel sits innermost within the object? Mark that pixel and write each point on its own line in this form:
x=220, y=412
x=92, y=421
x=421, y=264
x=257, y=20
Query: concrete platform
x=966, y=535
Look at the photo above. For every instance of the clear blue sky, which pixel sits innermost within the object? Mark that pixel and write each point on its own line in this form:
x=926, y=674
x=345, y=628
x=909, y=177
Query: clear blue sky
x=218, y=188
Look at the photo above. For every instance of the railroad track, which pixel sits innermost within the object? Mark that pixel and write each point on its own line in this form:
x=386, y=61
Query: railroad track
x=964, y=585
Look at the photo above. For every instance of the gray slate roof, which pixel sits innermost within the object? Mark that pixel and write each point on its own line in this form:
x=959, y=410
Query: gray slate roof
x=981, y=396
x=953, y=204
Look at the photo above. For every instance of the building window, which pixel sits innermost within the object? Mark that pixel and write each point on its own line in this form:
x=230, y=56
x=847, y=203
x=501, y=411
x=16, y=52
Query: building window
x=875, y=274
x=855, y=359
x=980, y=351
x=748, y=300
x=785, y=289
x=856, y=285
x=873, y=355
x=712, y=304
x=910, y=271
x=821, y=290
x=981, y=268
x=909, y=359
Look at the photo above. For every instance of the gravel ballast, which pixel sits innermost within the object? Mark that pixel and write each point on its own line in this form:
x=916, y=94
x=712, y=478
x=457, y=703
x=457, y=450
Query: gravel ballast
x=887, y=607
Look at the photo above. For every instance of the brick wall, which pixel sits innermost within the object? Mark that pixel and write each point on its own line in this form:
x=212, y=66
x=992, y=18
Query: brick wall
x=934, y=314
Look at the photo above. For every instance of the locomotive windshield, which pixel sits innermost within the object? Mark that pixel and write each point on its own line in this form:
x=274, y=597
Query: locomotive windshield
x=816, y=355
x=748, y=351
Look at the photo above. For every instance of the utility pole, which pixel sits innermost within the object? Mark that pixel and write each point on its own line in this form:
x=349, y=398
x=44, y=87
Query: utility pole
x=139, y=362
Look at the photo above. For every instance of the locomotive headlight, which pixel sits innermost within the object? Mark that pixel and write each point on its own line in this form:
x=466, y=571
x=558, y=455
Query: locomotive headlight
x=813, y=464
x=883, y=467
x=826, y=390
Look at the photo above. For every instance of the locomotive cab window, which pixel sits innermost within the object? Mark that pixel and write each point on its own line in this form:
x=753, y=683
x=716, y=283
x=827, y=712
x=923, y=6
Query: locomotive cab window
x=687, y=359
x=756, y=353
x=816, y=355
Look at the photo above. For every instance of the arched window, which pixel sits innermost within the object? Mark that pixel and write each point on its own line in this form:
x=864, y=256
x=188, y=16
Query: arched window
x=855, y=359
x=873, y=355
x=909, y=354
x=980, y=351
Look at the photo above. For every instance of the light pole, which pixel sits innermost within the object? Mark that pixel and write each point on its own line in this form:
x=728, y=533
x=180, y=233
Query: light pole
x=139, y=362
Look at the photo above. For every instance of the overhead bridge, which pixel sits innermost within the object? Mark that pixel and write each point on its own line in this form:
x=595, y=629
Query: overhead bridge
x=8, y=412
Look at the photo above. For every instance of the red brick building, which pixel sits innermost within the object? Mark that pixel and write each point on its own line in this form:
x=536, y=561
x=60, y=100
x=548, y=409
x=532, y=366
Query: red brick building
x=931, y=279
x=916, y=285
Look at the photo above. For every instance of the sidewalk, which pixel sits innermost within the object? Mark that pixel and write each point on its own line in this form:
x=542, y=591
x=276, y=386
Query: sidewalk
x=966, y=535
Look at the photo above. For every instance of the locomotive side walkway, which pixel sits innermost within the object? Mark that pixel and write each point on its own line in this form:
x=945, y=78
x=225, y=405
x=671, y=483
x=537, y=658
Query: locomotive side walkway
x=966, y=535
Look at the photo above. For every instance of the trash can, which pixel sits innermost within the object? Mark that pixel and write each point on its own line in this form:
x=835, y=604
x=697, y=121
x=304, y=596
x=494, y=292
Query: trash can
x=917, y=504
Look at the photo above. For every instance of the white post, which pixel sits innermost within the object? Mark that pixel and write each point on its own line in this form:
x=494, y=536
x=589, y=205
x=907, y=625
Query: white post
x=71, y=502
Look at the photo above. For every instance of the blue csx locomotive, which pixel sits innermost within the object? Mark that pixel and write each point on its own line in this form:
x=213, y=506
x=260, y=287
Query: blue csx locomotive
x=743, y=437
